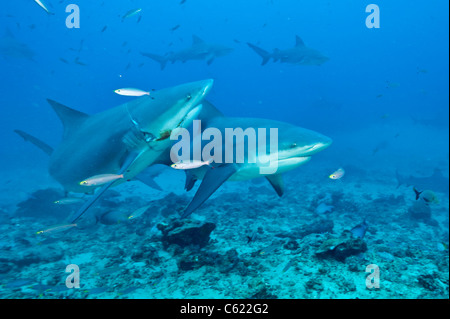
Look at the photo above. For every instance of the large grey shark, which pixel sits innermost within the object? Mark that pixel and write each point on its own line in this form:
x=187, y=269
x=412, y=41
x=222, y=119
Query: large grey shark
x=123, y=140
x=296, y=145
x=300, y=54
x=10, y=47
x=199, y=50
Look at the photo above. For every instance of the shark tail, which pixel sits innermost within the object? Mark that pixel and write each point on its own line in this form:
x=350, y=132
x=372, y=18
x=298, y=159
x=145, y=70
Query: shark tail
x=158, y=58
x=263, y=53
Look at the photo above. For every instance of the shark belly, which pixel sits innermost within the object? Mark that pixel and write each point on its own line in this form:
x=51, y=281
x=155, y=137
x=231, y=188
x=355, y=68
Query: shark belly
x=251, y=171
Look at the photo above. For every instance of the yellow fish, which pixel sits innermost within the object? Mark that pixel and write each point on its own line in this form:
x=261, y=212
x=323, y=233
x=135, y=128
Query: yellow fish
x=138, y=212
x=338, y=174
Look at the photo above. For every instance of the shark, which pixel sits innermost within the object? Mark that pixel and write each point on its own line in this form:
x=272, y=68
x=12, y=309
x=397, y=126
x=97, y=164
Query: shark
x=125, y=139
x=296, y=145
x=199, y=50
x=436, y=182
x=11, y=47
x=300, y=54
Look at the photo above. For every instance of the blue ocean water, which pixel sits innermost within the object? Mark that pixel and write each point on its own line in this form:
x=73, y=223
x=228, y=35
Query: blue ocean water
x=382, y=96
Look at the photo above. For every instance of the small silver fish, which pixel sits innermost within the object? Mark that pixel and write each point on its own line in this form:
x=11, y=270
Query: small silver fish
x=131, y=13
x=131, y=92
x=101, y=179
x=68, y=201
x=191, y=164
x=139, y=212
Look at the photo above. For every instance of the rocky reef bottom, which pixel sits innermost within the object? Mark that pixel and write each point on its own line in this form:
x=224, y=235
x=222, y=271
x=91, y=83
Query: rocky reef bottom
x=244, y=242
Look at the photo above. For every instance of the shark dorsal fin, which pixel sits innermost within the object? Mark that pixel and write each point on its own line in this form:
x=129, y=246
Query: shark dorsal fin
x=299, y=42
x=437, y=172
x=70, y=118
x=196, y=39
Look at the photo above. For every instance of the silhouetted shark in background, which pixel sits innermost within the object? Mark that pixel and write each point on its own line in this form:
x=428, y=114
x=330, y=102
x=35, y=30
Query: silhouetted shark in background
x=200, y=50
x=123, y=140
x=300, y=54
x=10, y=47
x=436, y=182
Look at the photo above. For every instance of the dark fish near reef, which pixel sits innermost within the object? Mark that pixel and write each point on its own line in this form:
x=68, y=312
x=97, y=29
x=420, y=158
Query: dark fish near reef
x=360, y=230
x=427, y=195
x=252, y=237
x=436, y=182
x=111, y=217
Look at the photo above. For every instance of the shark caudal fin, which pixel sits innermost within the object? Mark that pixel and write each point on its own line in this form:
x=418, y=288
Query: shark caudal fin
x=35, y=141
x=263, y=53
x=158, y=58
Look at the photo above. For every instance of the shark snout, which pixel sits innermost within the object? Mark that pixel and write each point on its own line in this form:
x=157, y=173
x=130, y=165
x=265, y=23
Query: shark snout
x=320, y=145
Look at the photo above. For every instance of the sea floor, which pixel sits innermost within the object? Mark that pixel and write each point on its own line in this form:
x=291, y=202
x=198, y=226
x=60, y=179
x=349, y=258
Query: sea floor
x=261, y=246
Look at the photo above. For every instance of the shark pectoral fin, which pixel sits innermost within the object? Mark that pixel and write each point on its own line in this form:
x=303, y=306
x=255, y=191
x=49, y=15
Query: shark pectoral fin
x=128, y=161
x=147, y=176
x=190, y=181
x=211, y=182
x=147, y=180
x=37, y=142
x=277, y=183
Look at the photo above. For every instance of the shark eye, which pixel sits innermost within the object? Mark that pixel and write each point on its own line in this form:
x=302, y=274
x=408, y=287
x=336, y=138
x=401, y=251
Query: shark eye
x=188, y=97
x=293, y=145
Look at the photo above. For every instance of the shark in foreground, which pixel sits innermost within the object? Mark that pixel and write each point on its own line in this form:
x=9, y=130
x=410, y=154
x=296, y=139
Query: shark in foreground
x=10, y=47
x=300, y=54
x=296, y=145
x=199, y=50
x=123, y=140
